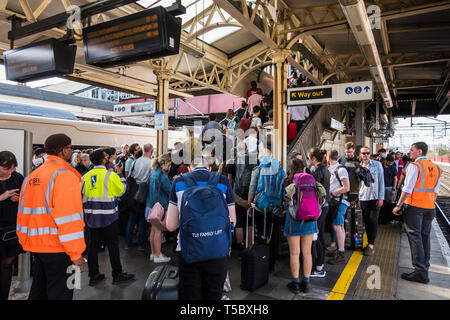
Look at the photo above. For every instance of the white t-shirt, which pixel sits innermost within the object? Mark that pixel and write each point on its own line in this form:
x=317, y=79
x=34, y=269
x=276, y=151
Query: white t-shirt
x=256, y=122
x=334, y=182
x=251, y=143
x=366, y=193
x=298, y=113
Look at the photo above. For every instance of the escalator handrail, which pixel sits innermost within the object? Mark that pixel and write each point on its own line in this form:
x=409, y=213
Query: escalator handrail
x=299, y=134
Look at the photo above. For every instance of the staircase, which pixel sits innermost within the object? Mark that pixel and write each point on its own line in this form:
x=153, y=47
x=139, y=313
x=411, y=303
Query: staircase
x=311, y=133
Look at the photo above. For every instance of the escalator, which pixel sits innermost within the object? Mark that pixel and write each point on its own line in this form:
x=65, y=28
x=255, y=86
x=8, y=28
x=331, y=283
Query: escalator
x=311, y=133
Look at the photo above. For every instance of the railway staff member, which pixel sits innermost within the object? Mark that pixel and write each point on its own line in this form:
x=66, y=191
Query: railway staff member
x=100, y=189
x=50, y=221
x=419, y=193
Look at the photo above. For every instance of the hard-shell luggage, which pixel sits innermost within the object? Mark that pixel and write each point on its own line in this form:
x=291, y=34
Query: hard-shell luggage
x=354, y=228
x=162, y=284
x=255, y=263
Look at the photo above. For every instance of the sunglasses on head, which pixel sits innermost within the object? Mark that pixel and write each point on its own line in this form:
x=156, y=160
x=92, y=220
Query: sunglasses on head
x=365, y=153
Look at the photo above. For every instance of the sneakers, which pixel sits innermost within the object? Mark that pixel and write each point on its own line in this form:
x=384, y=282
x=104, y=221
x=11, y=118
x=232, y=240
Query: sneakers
x=305, y=287
x=318, y=274
x=96, y=279
x=330, y=251
x=294, y=287
x=339, y=258
x=121, y=277
x=161, y=259
x=415, y=277
x=368, y=251
x=141, y=248
x=152, y=257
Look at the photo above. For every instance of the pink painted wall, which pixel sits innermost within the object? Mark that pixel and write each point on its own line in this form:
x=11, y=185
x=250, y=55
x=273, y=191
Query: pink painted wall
x=218, y=103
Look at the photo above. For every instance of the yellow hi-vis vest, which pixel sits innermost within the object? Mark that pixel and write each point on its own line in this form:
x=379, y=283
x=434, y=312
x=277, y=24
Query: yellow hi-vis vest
x=100, y=189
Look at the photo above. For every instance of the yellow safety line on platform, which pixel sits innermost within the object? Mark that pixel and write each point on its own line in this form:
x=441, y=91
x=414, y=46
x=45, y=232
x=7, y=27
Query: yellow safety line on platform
x=340, y=288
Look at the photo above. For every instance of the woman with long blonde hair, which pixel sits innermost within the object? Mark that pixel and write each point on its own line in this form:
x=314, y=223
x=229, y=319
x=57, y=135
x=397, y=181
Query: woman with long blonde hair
x=159, y=189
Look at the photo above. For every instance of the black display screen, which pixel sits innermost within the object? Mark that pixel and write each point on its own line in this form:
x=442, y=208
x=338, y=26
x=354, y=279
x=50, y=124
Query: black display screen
x=39, y=60
x=148, y=34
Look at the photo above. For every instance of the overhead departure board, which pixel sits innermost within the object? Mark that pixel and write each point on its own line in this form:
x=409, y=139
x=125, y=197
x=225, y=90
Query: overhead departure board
x=148, y=34
x=39, y=60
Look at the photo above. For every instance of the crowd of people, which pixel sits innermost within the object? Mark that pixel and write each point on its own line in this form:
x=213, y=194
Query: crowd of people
x=76, y=202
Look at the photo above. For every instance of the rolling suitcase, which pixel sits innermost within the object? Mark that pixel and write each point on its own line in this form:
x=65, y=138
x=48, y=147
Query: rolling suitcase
x=162, y=284
x=255, y=262
x=354, y=228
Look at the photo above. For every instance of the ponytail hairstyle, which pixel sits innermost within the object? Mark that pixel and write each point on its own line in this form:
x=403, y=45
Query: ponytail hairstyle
x=316, y=153
x=161, y=160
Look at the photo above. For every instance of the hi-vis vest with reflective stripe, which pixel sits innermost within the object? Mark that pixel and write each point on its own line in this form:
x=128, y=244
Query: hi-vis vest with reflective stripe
x=50, y=214
x=423, y=195
x=100, y=189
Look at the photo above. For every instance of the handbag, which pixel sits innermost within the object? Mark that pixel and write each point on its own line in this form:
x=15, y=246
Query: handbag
x=132, y=189
x=157, y=216
x=333, y=207
x=141, y=195
x=8, y=233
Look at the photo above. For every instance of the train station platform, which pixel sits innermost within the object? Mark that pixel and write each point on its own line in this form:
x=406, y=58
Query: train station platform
x=362, y=278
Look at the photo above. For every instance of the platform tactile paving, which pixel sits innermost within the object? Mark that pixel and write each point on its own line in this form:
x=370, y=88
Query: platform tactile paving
x=370, y=286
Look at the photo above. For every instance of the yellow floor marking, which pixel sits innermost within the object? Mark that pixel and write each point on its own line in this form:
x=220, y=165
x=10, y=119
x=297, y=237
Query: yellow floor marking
x=365, y=241
x=340, y=288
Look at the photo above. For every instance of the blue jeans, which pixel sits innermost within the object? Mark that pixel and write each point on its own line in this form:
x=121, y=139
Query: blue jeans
x=142, y=230
x=339, y=220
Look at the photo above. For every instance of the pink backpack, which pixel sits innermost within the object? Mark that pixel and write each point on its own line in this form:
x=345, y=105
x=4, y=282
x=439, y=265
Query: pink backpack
x=305, y=205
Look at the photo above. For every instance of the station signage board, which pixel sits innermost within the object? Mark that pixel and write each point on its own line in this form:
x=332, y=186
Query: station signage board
x=48, y=58
x=337, y=125
x=159, y=121
x=148, y=34
x=135, y=109
x=331, y=94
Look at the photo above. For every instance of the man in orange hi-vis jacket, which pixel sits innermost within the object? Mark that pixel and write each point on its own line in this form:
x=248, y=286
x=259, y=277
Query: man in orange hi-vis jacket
x=50, y=221
x=419, y=192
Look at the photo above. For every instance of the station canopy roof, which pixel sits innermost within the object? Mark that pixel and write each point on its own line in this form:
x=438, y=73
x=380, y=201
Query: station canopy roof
x=226, y=43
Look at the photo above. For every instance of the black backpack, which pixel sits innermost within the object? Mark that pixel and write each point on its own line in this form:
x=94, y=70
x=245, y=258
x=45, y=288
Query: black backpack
x=242, y=184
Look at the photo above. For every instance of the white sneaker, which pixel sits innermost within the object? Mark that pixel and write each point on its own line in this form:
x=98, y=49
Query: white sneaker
x=161, y=259
x=152, y=257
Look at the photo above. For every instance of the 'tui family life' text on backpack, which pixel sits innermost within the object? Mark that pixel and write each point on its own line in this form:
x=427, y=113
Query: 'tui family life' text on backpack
x=205, y=227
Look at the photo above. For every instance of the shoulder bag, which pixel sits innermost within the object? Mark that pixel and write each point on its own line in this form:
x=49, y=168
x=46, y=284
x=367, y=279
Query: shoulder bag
x=157, y=216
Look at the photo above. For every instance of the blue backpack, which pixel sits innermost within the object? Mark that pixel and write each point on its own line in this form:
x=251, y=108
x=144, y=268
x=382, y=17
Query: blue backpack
x=269, y=192
x=205, y=227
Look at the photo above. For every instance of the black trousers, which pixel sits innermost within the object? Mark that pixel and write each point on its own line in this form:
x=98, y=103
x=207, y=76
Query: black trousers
x=370, y=213
x=417, y=223
x=50, y=275
x=111, y=236
x=320, y=243
x=202, y=280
